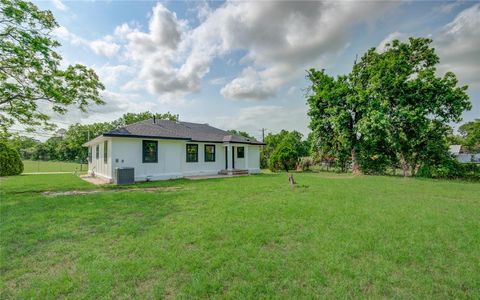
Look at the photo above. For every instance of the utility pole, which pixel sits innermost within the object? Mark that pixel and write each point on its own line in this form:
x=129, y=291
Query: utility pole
x=263, y=135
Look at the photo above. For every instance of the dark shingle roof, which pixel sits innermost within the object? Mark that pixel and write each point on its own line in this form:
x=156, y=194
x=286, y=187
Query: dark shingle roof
x=179, y=130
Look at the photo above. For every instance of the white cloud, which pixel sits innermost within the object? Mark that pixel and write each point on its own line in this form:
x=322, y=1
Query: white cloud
x=272, y=117
x=248, y=86
x=458, y=45
x=63, y=34
x=283, y=38
x=59, y=5
x=280, y=39
x=104, y=47
x=110, y=74
x=447, y=7
x=218, y=81
x=156, y=51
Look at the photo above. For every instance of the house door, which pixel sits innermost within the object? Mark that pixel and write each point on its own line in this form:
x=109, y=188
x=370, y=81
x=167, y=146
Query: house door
x=233, y=157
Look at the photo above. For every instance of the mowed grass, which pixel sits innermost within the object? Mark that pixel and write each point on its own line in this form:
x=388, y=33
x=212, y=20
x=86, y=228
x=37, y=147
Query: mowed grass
x=35, y=166
x=333, y=236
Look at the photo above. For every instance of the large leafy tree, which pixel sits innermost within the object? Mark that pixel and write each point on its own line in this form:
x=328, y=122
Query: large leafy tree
x=388, y=109
x=30, y=72
x=407, y=101
x=334, y=114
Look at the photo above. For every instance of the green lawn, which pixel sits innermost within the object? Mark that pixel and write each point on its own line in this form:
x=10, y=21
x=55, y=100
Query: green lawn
x=332, y=236
x=33, y=166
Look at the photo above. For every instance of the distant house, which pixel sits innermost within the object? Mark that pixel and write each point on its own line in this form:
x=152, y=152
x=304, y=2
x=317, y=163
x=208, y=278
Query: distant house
x=162, y=149
x=463, y=155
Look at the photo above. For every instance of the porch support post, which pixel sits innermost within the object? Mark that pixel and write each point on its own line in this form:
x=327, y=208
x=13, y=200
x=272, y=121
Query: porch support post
x=246, y=157
x=229, y=157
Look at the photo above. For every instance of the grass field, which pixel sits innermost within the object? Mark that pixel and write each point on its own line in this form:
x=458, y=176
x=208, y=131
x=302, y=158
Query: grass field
x=34, y=166
x=332, y=236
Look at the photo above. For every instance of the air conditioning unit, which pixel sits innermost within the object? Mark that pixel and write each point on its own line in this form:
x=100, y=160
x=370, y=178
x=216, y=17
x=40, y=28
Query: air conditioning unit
x=124, y=175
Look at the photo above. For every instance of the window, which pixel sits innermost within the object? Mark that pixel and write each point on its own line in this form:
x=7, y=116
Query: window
x=240, y=152
x=192, y=153
x=89, y=153
x=97, y=151
x=209, y=153
x=105, y=151
x=150, y=151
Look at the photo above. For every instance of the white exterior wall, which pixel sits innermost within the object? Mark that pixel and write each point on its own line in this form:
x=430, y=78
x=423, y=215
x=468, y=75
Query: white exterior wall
x=172, y=162
x=201, y=167
x=468, y=158
x=98, y=166
x=253, y=158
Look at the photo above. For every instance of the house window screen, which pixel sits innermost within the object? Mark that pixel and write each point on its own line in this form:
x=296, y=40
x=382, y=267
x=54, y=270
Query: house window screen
x=240, y=152
x=192, y=153
x=209, y=153
x=150, y=151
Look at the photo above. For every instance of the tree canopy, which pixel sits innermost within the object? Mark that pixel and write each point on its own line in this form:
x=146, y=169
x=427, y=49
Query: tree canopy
x=391, y=109
x=283, y=150
x=240, y=133
x=30, y=72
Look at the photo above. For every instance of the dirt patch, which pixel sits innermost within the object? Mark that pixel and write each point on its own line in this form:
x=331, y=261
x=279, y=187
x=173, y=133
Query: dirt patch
x=87, y=192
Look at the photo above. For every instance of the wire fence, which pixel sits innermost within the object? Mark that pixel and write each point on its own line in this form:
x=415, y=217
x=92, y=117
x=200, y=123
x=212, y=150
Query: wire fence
x=45, y=166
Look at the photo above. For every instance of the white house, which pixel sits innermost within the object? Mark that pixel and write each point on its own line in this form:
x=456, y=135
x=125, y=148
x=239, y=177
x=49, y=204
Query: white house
x=462, y=155
x=162, y=149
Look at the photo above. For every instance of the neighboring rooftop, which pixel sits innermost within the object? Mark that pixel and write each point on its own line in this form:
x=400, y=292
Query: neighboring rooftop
x=459, y=149
x=167, y=129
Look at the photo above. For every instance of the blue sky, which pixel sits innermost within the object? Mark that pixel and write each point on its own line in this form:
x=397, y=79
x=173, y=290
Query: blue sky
x=241, y=65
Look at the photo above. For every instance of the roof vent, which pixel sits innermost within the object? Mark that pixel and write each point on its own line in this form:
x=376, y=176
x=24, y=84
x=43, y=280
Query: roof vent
x=153, y=119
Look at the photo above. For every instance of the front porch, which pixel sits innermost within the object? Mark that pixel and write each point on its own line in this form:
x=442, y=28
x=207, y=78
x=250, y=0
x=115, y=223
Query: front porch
x=236, y=159
x=233, y=172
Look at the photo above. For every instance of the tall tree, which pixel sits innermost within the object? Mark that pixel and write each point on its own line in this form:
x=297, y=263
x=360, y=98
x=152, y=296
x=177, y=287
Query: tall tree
x=334, y=114
x=407, y=101
x=30, y=73
x=388, y=108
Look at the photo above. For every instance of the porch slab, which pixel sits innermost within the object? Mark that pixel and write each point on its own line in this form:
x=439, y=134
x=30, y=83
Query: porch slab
x=94, y=180
x=198, y=177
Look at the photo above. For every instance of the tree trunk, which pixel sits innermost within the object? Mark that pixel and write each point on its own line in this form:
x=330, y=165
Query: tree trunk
x=355, y=165
x=413, y=170
x=405, y=166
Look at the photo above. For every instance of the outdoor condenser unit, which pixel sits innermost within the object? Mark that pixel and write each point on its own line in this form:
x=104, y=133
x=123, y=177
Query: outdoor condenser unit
x=124, y=175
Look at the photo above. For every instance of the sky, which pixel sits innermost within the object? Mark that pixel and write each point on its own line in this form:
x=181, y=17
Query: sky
x=242, y=65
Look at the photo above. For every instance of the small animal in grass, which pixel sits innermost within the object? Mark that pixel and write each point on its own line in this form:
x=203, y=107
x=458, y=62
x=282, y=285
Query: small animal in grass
x=291, y=180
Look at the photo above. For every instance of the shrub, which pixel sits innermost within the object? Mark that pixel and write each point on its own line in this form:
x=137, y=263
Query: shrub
x=450, y=168
x=305, y=163
x=10, y=162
